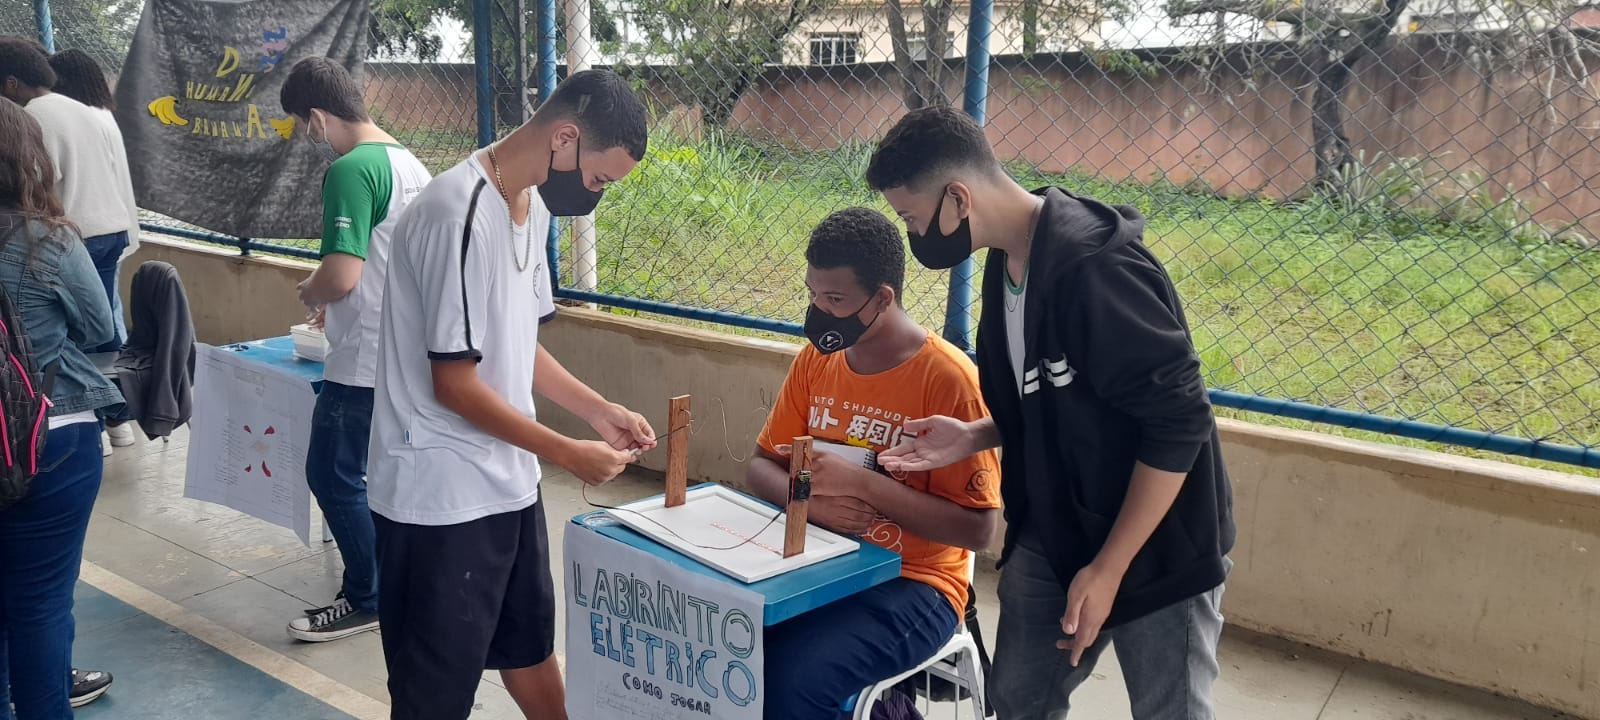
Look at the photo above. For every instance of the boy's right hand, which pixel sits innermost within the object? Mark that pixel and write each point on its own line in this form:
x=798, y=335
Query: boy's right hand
x=595, y=462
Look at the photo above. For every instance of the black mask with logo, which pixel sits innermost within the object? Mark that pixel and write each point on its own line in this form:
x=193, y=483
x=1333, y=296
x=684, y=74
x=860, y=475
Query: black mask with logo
x=564, y=192
x=830, y=334
x=941, y=252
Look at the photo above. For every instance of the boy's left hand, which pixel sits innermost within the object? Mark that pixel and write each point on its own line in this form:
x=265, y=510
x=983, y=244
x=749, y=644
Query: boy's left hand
x=1089, y=601
x=833, y=475
x=625, y=429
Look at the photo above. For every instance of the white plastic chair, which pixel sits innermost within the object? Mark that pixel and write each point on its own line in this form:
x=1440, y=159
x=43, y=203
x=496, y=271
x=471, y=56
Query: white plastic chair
x=956, y=663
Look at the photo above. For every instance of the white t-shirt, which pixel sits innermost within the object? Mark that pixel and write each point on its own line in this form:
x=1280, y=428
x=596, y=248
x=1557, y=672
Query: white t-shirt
x=363, y=195
x=427, y=465
x=91, y=166
x=1016, y=300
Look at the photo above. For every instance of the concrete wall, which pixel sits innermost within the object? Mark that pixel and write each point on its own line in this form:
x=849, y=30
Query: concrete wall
x=1477, y=572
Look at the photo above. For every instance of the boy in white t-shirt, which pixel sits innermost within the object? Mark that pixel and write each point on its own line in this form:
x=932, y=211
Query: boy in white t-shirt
x=463, y=553
x=371, y=180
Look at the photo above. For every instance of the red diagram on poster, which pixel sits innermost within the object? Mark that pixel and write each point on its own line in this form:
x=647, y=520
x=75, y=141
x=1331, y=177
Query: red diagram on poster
x=262, y=447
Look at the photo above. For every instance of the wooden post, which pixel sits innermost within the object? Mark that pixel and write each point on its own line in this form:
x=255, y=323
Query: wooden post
x=794, y=535
x=678, y=417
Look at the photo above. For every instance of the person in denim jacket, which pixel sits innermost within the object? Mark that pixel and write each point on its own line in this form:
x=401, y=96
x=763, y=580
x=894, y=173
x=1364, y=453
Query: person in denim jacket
x=46, y=269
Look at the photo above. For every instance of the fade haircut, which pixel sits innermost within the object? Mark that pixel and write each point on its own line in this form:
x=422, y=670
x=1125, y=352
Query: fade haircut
x=25, y=59
x=927, y=146
x=321, y=83
x=604, y=108
x=864, y=241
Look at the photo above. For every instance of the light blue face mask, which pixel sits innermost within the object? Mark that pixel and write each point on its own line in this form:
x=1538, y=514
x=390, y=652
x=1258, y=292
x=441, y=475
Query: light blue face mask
x=324, y=148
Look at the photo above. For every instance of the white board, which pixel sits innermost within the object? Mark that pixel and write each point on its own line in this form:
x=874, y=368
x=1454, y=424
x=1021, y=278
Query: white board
x=713, y=524
x=649, y=640
x=248, y=438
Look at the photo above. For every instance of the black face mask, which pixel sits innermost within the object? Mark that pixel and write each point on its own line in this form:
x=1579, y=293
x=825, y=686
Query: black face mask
x=564, y=192
x=942, y=252
x=831, y=334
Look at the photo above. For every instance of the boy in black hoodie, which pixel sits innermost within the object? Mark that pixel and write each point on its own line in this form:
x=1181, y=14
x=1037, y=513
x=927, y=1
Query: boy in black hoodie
x=1118, y=507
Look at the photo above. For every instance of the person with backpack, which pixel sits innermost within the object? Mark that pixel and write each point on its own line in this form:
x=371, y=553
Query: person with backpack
x=53, y=306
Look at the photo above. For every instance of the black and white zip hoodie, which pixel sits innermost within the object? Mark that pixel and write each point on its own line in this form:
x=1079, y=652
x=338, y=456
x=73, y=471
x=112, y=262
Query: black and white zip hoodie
x=1111, y=377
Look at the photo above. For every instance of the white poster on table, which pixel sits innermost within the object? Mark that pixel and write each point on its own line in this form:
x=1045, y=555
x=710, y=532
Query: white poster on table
x=647, y=639
x=249, y=434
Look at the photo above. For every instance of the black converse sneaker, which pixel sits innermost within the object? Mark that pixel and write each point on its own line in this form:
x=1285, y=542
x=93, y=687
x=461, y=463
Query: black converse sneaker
x=334, y=622
x=88, y=686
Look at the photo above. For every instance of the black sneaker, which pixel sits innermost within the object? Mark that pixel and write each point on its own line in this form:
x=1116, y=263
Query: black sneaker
x=88, y=686
x=325, y=608
x=337, y=621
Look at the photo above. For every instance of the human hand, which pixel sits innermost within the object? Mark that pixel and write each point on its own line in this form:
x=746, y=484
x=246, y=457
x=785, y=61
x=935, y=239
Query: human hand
x=624, y=429
x=595, y=462
x=842, y=514
x=301, y=290
x=1089, y=601
x=834, y=475
x=317, y=318
x=939, y=441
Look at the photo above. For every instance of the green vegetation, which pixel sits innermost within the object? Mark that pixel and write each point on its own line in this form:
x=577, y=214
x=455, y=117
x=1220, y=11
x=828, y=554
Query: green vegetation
x=1452, y=318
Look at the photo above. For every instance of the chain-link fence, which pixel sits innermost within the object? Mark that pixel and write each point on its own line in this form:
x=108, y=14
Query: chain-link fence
x=1383, y=208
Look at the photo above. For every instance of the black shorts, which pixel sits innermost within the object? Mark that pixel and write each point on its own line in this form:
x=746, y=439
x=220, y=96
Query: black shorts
x=455, y=600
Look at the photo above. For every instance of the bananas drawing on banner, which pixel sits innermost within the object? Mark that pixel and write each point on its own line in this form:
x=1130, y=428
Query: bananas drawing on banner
x=165, y=109
x=215, y=105
x=285, y=127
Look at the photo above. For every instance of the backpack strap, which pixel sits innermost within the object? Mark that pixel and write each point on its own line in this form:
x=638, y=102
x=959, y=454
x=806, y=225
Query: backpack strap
x=48, y=383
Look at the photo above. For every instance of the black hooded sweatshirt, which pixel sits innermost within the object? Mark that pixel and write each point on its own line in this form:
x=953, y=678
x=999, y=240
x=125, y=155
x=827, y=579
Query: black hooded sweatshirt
x=1118, y=381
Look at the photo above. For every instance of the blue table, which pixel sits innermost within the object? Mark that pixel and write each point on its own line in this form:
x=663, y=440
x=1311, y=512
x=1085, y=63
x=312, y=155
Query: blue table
x=279, y=353
x=787, y=595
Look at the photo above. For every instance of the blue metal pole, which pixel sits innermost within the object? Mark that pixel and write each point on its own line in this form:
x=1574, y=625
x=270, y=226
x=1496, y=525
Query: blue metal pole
x=958, y=306
x=547, y=85
x=482, y=43
x=47, y=31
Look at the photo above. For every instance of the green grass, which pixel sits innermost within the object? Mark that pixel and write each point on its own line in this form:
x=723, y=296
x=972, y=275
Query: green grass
x=1395, y=314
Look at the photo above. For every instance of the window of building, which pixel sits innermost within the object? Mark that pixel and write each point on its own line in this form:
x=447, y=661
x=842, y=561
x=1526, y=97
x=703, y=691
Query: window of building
x=835, y=48
x=917, y=45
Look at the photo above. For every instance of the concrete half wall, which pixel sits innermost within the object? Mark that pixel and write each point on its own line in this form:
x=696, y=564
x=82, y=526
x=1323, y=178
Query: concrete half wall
x=1477, y=572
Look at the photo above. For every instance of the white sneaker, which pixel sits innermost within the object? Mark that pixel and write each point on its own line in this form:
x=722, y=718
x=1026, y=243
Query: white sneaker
x=120, y=435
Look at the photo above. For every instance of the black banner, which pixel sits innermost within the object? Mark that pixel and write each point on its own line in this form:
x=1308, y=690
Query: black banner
x=197, y=101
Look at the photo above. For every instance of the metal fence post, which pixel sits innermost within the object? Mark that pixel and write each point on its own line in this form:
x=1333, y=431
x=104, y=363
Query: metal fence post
x=547, y=85
x=958, y=305
x=47, y=31
x=482, y=42
x=580, y=48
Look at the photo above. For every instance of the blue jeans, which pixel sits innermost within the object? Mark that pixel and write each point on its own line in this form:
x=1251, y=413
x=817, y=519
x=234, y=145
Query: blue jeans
x=106, y=252
x=818, y=660
x=336, y=470
x=41, y=546
x=1168, y=658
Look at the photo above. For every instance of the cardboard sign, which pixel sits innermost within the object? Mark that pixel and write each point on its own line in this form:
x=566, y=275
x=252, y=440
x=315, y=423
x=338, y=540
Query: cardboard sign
x=650, y=640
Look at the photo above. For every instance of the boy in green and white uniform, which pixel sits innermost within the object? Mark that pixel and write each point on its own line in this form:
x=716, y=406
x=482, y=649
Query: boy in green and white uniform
x=370, y=182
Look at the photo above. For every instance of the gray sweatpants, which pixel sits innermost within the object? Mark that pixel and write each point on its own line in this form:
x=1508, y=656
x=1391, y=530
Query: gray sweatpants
x=1168, y=658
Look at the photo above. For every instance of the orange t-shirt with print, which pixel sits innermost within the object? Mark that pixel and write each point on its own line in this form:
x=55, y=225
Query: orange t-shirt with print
x=822, y=397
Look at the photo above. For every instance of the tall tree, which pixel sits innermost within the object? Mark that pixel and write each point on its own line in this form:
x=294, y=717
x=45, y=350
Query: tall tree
x=714, y=51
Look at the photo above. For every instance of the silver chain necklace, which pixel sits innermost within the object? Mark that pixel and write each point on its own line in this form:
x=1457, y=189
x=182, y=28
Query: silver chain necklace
x=527, y=250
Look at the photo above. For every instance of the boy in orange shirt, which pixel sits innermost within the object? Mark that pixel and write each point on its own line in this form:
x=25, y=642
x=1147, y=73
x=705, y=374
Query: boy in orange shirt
x=868, y=370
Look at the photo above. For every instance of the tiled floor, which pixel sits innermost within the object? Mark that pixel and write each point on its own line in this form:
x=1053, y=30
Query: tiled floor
x=186, y=603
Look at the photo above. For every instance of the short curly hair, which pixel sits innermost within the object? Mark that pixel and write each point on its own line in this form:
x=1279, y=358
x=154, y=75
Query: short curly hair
x=927, y=145
x=25, y=59
x=864, y=241
x=79, y=77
